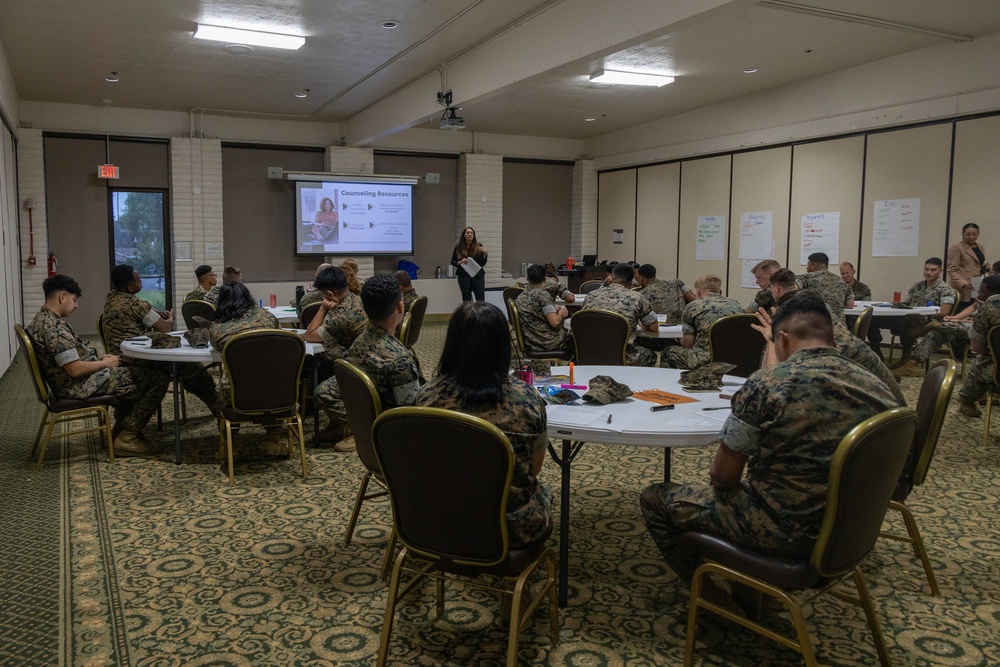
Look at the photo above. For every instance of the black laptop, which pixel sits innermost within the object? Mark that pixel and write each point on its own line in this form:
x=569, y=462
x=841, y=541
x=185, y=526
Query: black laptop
x=590, y=260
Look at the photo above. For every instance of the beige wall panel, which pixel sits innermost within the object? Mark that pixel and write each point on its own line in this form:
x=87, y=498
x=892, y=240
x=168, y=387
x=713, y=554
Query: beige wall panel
x=827, y=177
x=616, y=210
x=657, y=217
x=704, y=191
x=902, y=165
x=975, y=195
x=760, y=184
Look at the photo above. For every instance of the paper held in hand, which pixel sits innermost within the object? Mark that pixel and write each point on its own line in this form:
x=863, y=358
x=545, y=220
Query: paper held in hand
x=472, y=266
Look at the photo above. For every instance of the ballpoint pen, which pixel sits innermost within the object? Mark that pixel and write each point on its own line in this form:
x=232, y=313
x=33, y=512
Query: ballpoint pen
x=609, y=418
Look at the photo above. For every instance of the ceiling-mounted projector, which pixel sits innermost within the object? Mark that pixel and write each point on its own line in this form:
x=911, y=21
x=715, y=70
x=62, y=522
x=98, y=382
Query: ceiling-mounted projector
x=450, y=120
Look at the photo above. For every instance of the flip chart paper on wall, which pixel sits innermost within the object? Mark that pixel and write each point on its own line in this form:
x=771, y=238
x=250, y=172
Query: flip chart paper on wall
x=747, y=278
x=711, y=240
x=821, y=233
x=896, y=228
x=755, y=235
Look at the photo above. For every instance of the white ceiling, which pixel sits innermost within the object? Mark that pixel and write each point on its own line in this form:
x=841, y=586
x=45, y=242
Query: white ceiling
x=61, y=50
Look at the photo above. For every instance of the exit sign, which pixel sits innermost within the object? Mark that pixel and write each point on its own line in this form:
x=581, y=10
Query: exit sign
x=107, y=171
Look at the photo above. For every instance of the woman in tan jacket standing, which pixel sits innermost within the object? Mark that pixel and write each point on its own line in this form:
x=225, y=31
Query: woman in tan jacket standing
x=966, y=260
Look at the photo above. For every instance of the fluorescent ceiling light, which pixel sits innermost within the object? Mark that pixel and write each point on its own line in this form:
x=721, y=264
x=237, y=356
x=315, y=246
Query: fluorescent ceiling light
x=630, y=78
x=254, y=37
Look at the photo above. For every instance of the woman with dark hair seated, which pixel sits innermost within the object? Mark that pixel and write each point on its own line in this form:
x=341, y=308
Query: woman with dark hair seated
x=473, y=378
x=236, y=312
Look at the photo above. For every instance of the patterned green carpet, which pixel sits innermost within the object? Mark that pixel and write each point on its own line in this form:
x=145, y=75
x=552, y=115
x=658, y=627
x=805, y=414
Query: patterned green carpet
x=147, y=563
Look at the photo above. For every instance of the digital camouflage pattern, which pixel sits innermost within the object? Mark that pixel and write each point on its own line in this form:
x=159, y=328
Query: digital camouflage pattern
x=666, y=297
x=220, y=333
x=980, y=375
x=938, y=293
x=555, y=288
x=308, y=299
x=342, y=325
x=830, y=287
x=636, y=309
x=533, y=304
x=861, y=291
x=788, y=420
x=140, y=390
x=762, y=299
x=950, y=333
x=698, y=318
x=125, y=316
x=408, y=298
x=855, y=349
x=520, y=414
x=201, y=294
x=391, y=367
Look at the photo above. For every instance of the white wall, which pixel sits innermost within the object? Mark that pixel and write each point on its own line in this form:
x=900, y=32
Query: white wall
x=9, y=102
x=936, y=82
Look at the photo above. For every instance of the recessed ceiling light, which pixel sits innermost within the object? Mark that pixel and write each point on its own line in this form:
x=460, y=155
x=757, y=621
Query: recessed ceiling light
x=389, y=25
x=749, y=70
x=255, y=37
x=112, y=78
x=630, y=78
x=590, y=120
x=303, y=93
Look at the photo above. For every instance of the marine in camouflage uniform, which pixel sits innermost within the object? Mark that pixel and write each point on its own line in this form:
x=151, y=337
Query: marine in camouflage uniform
x=126, y=316
x=220, y=333
x=937, y=293
x=953, y=334
x=855, y=349
x=308, y=299
x=520, y=414
x=699, y=316
x=556, y=289
x=788, y=420
x=201, y=294
x=343, y=324
x=762, y=299
x=831, y=287
x=139, y=390
x=636, y=309
x=409, y=296
x=980, y=375
x=391, y=367
x=533, y=305
x=666, y=297
x=861, y=291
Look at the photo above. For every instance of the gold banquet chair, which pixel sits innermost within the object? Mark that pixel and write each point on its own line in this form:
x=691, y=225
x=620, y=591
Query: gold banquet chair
x=864, y=323
x=521, y=348
x=731, y=339
x=932, y=405
x=590, y=285
x=64, y=410
x=454, y=527
x=363, y=406
x=509, y=294
x=263, y=368
x=863, y=473
x=993, y=340
x=600, y=337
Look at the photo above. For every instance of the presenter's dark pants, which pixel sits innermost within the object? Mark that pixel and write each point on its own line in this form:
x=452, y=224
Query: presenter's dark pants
x=470, y=285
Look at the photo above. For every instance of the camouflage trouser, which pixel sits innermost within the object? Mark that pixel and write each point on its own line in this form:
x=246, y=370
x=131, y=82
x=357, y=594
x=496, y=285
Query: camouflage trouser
x=139, y=390
x=672, y=509
x=683, y=358
x=328, y=398
x=904, y=327
x=952, y=334
x=194, y=376
x=639, y=356
x=978, y=379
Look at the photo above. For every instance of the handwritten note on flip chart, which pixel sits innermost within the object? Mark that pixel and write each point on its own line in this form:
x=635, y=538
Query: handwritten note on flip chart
x=747, y=278
x=755, y=235
x=711, y=241
x=896, y=228
x=821, y=233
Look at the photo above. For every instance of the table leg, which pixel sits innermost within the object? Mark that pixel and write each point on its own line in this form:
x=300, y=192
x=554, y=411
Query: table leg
x=569, y=452
x=315, y=382
x=177, y=413
x=666, y=463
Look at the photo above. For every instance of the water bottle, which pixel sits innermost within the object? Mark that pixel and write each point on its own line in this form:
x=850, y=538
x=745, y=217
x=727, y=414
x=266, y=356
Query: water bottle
x=299, y=293
x=437, y=272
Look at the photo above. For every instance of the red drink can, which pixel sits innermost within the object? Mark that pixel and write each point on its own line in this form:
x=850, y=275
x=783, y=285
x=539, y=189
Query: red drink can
x=897, y=296
x=274, y=301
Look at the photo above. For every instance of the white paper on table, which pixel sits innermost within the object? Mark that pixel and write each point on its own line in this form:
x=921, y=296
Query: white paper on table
x=896, y=228
x=657, y=422
x=820, y=233
x=573, y=415
x=715, y=415
x=471, y=266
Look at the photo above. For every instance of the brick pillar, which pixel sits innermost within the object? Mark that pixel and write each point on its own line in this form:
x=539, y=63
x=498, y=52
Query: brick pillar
x=195, y=209
x=480, y=206
x=354, y=161
x=584, y=228
x=31, y=185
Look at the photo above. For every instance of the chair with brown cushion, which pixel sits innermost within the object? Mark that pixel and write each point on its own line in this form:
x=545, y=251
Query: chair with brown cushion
x=263, y=368
x=932, y=404
x=64, y=410
x=993, y=341
x=863, y=473
x=731, y=339
x=409, y=332
x=363, y=406
x=600, y=337
x=309, y=313
x=521, y=348
x=196, y=307
x=454, y=527
x=509, y=294
x=864, y=323
x=590, y=286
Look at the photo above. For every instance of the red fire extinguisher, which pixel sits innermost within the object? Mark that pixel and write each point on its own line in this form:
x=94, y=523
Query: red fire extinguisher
x=53, y=264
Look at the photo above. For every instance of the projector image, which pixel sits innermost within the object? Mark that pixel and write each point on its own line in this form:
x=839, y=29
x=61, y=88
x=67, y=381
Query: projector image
x=451, y=121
